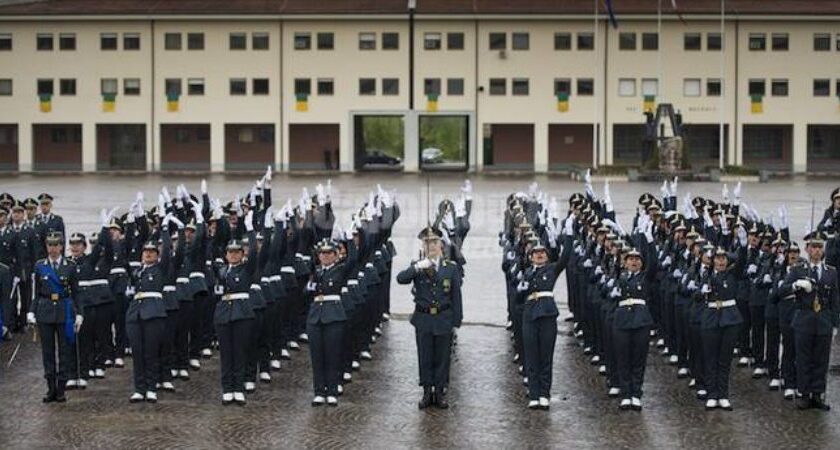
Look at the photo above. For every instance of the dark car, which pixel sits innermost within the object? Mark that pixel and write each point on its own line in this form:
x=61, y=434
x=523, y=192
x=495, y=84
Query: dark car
x=379, y=157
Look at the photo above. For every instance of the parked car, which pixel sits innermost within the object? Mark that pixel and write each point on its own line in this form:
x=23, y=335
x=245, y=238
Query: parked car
x=432, y=155
x=379, y=157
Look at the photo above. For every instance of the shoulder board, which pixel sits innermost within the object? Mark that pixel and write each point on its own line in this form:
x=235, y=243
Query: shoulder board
x=831, y=267
x=42, y=261
x=4, y=265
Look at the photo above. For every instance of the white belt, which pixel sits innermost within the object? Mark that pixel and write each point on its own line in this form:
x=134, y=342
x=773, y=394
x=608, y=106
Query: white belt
x=287, y=269
x=169, y=289
x=306, y=258
x=219, y=261
x=298, y=255
x=142, y=295
x=182, y=280
x=93, y=283
x=369, y=265
x=540, y=294
x=265, y=279
x=196, y=274
x=723, y=304
x=117, y=270
x=256, y=286
x=632, y=302
x=237, y=296
x=327, y=298
x=790, y=297
x=135, y=264
x=344, y=290
x=275, y=278
x=352, y=282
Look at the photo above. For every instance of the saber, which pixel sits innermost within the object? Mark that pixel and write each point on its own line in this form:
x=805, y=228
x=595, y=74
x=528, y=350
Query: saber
x=14, y=354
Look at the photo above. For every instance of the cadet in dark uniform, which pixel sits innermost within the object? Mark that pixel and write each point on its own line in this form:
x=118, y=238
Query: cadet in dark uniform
x=814, y=284
x=234, y=316
x=145, y=319
x=437, y=310
x=24, y=240
x=57, y=316
x=325, y=323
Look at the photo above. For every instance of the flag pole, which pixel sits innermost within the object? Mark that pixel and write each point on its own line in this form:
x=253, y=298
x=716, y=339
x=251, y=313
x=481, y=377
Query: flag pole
x=724, y=46
x=595, y=134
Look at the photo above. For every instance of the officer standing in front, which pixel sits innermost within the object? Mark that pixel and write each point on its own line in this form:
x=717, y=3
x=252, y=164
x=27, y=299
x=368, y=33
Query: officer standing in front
x=814, y=284
x=437, y=310
x=56, y=315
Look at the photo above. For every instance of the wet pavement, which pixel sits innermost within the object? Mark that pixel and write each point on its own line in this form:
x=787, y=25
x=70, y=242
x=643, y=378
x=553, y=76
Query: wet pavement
x=379, y=408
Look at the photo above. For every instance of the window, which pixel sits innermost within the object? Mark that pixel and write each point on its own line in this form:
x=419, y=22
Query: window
x=627, y=87
x=238, y=41
x=779, y=88
x=585, y=86
x=195, y=86
x=836, y=86
x=691, y=87
x=390, y=41
x=238, y=86
x=585, y=41
x=303, y=41
x=454, y=41
x=758, y=41
x=44, y=41
x=455, y=86
x=650, y=86
x=650, y=41
x=67, y=41
x=326, y=41
x=45, y=86
x=822, y=42
x=172, y=41
x=367, y=41
x=714, y=42
x=67, y=86
x=519, y=86
x=195, y=41
x=520, y=41
x=5, y=41
x=756, y=87
x=109, y=85
x=822, y=87
x=259, y=86
x=498, y=86
x=131, y=41
x=779, y=41
x=390, y=86
x=692, y=41
x=713, y=87
x=131, y=86
x=173, y=86
x=367, y=86
x=259, y=41
x=562, y=86
x=431, y=86
x=562, y=41
x=432, y=41
x=627, y=41
x=498, y=41
x=5, y=86
x=303, y=86
x=108, y=41
x=326, y=86
x=838, y=41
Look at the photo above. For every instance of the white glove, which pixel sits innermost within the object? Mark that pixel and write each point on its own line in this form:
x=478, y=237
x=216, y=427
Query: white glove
x=611, y=283
x=667, y=261
x=311, y=286
x=30, y=318
x=783, y=220
x=707, y=219
x=252, y=197
x=767, y=279
x=103, y=217
x=674, y=187
x=649, y=232
x=737, y=193
x=664, y=190
x=599, y=270
x=177, y=222
x=686, y=254
x=742, y=236
x=203, y=187
x=522, y=286
x=267, y=178
x=423, y=264
x=569, y=226
x=724, y=225
x=510, y=255
x=706, y=289
x=199, y=217
x=616, y=292
x=780, y=258
x=161, y=211
x=725, y=193
x=319, y=195
x=165, y=193
x=78, y=324
x=692, y=286
x=467, y=189
x=751, y=269
x=269, y=224
x=804, y=285
x=249, y=221
x=587, y=263
x=678, y=273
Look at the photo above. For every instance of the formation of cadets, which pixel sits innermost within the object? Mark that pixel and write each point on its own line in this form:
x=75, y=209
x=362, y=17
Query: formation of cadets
x=168, y=285
x=705, y=281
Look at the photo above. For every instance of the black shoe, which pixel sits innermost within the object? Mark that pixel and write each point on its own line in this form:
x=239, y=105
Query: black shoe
x=50, y=396
x=427, y=400
x=440, y=399
x=803, y=403
x=818, y=403
x=59, y=397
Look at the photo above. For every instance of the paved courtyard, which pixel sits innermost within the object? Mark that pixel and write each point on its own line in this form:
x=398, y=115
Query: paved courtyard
x=379, y=408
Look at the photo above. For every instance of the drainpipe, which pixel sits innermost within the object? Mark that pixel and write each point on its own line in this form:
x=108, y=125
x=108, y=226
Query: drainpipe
x=412, y=5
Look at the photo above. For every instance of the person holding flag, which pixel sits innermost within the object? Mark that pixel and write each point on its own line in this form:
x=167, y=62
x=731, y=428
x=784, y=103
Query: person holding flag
x=56, y=314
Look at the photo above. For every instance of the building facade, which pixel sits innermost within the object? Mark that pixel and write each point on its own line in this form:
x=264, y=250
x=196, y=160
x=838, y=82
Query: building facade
x=95, y=85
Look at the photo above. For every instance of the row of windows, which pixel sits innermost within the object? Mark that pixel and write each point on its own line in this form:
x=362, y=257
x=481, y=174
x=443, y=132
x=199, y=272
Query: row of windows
x=821, y=87
x=236, y=41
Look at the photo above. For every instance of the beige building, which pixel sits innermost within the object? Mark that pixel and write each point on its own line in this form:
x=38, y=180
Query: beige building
x=537, y=85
